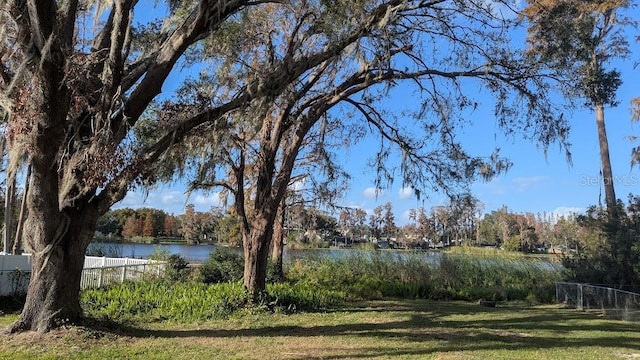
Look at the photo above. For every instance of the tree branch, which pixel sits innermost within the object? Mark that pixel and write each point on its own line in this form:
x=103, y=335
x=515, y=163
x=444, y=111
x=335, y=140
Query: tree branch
x=41, y=21
x=115, y=190
x=114, y=64
x=68, y=21
x=202, y=19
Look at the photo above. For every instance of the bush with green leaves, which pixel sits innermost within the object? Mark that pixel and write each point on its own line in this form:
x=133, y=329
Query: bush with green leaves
x=320, y=283
x=302, y=297
x=607, y=247
x=223, y=265
x=176, y=268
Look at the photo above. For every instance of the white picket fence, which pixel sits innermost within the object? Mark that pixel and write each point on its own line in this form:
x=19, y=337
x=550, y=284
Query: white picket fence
x=14, y=274
x=98, y=271
x=103, y=271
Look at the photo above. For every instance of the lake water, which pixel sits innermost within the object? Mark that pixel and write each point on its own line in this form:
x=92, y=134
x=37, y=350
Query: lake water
x=193, y=253
x=200, y=253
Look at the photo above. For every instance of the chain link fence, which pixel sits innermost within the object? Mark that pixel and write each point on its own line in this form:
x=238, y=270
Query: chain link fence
x=611, y=302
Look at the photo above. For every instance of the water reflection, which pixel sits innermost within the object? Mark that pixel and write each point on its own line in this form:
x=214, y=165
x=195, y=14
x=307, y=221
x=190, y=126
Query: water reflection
x=200, y=253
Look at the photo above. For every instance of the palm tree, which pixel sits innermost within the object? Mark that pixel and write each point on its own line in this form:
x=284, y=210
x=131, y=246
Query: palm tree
x=576, y=39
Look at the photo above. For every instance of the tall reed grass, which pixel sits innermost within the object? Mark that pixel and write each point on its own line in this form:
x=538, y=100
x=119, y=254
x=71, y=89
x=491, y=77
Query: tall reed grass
x=460, y=275
x=320, y=283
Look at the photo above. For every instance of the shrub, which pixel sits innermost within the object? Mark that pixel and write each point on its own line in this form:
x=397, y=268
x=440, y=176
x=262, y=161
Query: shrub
x=607, y=250
x=12, y=304
x=158, y=300
x=303, y=297
x=104, y=249
x=223, y=265
x=177, y=267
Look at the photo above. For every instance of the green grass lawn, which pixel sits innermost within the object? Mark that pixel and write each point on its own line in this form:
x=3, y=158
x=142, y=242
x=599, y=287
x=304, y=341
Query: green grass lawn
x=407, y=329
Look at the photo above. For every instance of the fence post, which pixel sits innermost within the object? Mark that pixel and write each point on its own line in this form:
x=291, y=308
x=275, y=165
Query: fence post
x=100, y=277
x=579, y=304
x=124, y=269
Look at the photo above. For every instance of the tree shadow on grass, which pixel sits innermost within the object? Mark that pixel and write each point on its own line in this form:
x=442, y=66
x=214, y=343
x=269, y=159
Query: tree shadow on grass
x=430, y=327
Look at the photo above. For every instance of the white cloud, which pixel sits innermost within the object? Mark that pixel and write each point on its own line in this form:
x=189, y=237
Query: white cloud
x=133, y=199
x=405, y=193
x=524, y=183
x=567, y=211
x=171, y=201
x=372, y=192
x=205, y=202
x=172, y=197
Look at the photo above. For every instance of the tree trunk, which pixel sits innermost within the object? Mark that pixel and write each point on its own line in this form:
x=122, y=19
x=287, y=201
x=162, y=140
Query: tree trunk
x=256, y=254
x=58, y=239
x=607, y=173
x=53, y=297
x=278, y=242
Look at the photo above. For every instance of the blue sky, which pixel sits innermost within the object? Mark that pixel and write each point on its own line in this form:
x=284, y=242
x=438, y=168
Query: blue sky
x=539, y=183
x=535, y=183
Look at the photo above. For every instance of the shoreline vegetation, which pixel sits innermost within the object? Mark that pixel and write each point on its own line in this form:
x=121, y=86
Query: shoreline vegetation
x=376, y=304
x=317, y=283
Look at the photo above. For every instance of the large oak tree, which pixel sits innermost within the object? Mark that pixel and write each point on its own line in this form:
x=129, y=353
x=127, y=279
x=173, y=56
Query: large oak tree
x=339, y=65
x=75, y=85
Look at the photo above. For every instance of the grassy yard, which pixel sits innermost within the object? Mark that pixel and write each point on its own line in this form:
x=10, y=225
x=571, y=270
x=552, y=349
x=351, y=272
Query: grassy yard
x=407, y=329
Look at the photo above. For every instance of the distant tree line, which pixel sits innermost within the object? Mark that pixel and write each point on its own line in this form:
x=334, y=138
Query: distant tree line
x=460, y=222
x=192, y=226
x=216, y=225
x=457, y=223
